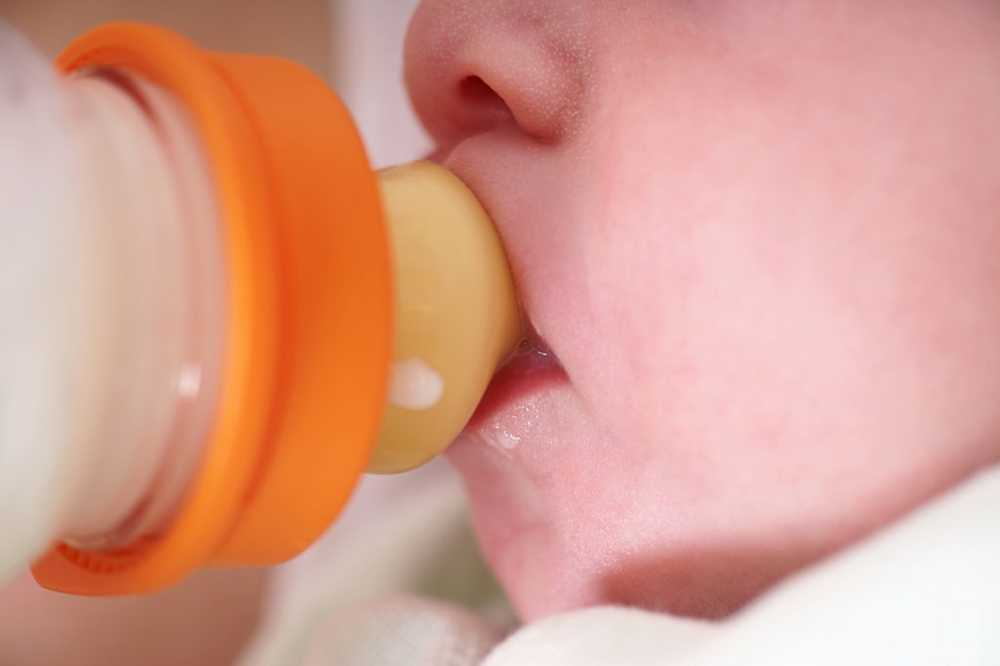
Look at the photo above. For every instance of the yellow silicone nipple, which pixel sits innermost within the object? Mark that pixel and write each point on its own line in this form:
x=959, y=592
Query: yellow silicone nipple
x=456, y=313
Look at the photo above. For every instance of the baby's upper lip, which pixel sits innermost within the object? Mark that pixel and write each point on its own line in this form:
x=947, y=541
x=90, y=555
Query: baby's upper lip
x=534, y=356
x=483, y=194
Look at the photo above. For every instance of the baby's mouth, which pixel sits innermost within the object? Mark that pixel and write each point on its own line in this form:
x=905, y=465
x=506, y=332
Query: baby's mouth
x=533, y=364
x=513, y=455
x=530, y=368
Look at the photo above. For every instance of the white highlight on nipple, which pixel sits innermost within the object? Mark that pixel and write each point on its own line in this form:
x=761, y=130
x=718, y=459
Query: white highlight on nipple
x=415, y=385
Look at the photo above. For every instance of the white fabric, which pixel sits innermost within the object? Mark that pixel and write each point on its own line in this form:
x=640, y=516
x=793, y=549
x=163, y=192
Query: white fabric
x=423, y=633
x=402, y=538
x=924, y=592
x=607, y=636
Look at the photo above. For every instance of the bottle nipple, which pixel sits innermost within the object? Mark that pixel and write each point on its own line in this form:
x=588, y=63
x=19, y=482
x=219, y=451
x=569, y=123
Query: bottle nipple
x=456, y=313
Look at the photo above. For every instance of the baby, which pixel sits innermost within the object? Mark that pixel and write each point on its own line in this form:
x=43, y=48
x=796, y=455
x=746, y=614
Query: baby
x=759, y=246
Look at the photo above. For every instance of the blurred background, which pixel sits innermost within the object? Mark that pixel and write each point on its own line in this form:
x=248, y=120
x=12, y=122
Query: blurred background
x=356, y=45
x=298, y=29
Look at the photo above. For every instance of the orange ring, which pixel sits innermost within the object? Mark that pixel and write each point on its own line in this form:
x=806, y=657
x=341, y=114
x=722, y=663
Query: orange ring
x=310, y=304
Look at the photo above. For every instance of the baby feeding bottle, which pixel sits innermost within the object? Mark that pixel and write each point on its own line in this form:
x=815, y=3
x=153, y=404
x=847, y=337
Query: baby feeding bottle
x=216, y=316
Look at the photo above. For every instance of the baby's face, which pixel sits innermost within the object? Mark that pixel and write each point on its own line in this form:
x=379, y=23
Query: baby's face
x=762, y=241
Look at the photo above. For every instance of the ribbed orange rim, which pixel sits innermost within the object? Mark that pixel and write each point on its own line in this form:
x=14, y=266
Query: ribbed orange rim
x=309, y=322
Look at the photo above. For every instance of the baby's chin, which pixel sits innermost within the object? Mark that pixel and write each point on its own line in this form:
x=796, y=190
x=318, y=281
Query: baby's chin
x=569, y=517
x=516, y=514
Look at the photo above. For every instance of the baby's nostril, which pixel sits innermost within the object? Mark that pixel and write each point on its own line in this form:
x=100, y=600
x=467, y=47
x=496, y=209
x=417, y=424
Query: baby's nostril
x=483, y=106
x=476, y=92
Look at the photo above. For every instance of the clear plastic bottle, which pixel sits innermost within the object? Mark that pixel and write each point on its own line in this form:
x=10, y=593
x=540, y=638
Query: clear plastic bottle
x=215, y=316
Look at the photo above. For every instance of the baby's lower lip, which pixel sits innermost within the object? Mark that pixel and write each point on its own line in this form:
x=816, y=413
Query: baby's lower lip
x=504, y=456
x=531, y=368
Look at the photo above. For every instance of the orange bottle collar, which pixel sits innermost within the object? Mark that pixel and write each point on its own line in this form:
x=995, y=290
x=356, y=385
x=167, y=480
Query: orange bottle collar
x=309, y=330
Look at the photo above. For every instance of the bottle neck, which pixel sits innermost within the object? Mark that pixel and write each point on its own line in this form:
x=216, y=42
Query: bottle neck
x=159, y=283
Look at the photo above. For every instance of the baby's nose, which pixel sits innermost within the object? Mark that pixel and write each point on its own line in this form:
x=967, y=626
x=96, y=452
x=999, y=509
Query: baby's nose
x=474, y=67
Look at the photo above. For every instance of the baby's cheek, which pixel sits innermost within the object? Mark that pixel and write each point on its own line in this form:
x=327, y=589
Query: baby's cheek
x=786, y=359
x=774, y=292
x=781, y=398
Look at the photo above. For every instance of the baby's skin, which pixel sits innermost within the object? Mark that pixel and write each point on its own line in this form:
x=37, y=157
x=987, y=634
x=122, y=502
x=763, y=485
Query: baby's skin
x=760, y=245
